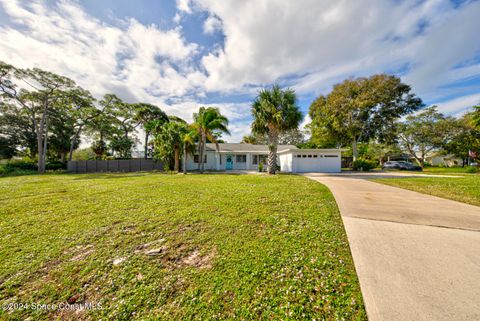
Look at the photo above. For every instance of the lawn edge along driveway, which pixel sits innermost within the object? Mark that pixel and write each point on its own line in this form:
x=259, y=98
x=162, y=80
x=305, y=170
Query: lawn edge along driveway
x=464, y=188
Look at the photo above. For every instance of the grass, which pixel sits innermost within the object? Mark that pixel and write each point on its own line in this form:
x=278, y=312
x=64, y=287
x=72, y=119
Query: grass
x=173, y=247
x=464, y=189
x=446, y=170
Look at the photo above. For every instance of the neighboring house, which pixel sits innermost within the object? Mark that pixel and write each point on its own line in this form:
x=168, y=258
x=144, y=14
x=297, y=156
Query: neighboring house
x=443, y=160
x=239, y=156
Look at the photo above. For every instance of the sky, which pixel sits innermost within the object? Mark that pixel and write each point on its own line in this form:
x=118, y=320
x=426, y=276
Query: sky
x=184, y=54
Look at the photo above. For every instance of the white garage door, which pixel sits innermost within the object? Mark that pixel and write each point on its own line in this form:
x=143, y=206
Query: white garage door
x=305, y=163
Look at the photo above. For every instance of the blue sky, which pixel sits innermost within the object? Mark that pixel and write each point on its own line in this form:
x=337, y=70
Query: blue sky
x=186, y=53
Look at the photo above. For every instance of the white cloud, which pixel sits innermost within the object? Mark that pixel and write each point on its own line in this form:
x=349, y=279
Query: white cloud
x=212, y=24
x=184, y=6
x=459, y=106
x=177, y=18
x=327, y=41
x=238, y=115
x=137, y=62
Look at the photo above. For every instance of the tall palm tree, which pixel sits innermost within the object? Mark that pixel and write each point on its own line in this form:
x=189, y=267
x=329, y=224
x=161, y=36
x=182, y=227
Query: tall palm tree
x=275, y=111
x=189, y=139
x=207, y=122
x=149, y=116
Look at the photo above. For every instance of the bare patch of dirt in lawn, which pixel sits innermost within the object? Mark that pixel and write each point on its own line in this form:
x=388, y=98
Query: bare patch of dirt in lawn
x=195, y=259
x=82, y=252
x=152, y=248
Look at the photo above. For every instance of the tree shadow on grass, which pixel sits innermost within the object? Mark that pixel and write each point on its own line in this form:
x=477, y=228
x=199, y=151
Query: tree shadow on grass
x=87, y=176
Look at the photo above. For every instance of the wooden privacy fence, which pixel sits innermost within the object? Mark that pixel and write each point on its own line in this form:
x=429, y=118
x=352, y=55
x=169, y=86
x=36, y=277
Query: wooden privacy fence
x=124, y=165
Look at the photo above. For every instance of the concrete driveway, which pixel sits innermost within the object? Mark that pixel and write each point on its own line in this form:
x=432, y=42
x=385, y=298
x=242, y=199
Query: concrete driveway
x=417, y=256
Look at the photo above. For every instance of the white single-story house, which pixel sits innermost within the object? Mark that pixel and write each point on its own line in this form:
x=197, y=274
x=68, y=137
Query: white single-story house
x=238, y=156
x=437, y=159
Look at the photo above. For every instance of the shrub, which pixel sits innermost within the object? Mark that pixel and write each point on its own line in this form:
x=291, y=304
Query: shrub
x=55, y=165
x=21, y=165
x=3, y=170
x=364, y=165
x=260, y=167
x=18, y=167
x=471, y=169
x=83, y=154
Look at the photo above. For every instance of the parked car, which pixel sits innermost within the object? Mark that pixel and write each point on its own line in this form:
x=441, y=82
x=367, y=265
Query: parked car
x=401, y=165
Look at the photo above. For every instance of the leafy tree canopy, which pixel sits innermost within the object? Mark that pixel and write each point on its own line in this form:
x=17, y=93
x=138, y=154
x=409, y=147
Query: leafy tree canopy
x=425, y=132
x=361, y=109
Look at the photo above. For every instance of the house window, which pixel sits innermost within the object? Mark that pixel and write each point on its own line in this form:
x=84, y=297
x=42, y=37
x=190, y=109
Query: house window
x=331, y=156
x=304, y=156
x=309, y=156
x=196, y=159
x=315, y=156
x=259, y=158
x=241, y=158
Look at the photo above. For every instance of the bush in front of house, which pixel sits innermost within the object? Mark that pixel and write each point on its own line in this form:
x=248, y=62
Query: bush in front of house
x=364, y=165
x=260, y=167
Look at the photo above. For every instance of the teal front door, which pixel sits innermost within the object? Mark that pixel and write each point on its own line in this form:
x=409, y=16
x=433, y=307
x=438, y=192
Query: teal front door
x=229, y=162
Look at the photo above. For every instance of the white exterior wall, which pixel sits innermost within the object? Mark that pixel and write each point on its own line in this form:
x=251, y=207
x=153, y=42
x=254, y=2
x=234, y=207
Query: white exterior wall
x=310, y=163
x=239, y=165
x=286, y=162
x=211, y=163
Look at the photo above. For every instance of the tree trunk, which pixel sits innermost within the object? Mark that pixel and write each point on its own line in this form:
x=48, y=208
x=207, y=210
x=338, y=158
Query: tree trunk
x=146, y=144
x=73, y=141
x=354, y=149
x=40, y=152
x=70, y=153
x=177, y=159
x=45, y=141
x=199, y=153
x=202, y=151
x=185, y=158
x=421, y=161
x=272, y=154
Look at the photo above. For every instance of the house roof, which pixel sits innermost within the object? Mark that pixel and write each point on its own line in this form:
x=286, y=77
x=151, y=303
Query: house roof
x=251, y=148
x=240, y=147
x=308, y=150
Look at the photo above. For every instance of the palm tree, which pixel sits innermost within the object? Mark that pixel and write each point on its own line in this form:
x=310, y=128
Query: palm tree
x=149, y=116
x=249, y=139
x=275, y=111
x=189, y=139
x=169, y=142
x=208, y=122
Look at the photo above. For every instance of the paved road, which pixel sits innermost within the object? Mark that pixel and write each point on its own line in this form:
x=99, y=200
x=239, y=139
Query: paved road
x=417, y=256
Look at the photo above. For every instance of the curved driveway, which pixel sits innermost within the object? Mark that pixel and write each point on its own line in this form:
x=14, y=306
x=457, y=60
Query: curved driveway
x=417, y=256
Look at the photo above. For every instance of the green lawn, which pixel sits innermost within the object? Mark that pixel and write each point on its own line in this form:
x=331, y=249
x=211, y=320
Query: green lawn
x=463, y=189
x=154, y=246
x=446, y=170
